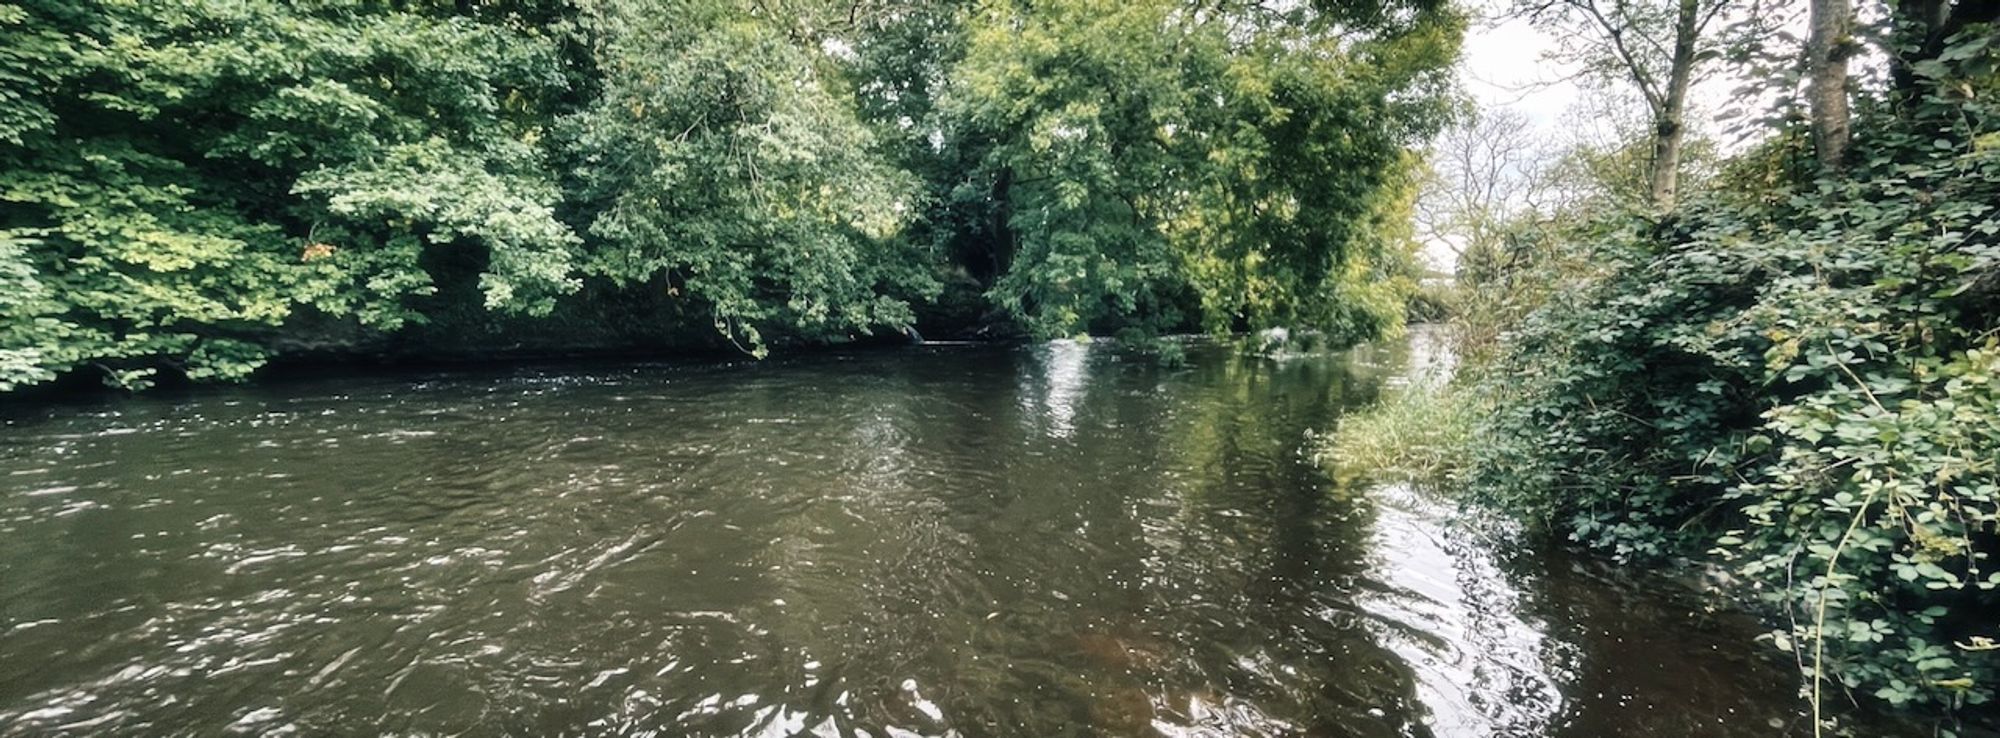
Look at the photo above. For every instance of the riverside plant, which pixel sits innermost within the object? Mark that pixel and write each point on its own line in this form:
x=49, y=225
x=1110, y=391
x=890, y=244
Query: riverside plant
x=1795, y=377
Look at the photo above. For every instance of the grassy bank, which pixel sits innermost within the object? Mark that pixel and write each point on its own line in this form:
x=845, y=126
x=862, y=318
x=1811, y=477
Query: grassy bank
x=1421, y=435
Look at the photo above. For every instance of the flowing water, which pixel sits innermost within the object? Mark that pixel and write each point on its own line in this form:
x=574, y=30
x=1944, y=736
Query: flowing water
x=1049, y=540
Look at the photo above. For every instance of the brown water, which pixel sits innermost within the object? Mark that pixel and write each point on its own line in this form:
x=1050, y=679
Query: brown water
x=975, y=541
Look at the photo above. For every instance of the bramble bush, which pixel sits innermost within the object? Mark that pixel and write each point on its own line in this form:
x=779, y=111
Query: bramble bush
x=1799, y=376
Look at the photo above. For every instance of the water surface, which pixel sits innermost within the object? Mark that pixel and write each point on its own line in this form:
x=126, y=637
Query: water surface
x=1054, y=540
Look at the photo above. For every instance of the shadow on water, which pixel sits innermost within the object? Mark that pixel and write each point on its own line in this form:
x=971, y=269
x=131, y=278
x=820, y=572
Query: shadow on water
x=971, y=540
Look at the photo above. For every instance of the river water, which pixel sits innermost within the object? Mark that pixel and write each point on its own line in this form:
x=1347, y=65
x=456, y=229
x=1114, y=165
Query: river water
x=1050, y=540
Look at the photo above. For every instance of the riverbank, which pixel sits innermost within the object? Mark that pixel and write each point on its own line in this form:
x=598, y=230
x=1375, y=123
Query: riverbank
x=1428, y=433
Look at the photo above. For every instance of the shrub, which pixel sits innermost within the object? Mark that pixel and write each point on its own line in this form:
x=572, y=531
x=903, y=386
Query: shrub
x=1802, y=380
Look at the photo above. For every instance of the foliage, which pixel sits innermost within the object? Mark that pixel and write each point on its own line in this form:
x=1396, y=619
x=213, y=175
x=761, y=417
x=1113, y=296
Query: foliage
x=736, y=173
x=1507, y=204
x=1419, y=435
x=200, y=186
x=1155, y=164
x=183, y=178
x=1799, y=374
x=1433, y=302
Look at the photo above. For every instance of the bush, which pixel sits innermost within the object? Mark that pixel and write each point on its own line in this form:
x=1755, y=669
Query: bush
x=1801, y=380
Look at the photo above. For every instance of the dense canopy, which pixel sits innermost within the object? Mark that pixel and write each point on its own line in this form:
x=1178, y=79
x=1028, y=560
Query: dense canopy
x=199, y=186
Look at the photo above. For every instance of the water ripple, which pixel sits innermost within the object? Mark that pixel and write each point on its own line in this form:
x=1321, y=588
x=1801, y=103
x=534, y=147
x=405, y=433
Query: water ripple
x=1053, y=540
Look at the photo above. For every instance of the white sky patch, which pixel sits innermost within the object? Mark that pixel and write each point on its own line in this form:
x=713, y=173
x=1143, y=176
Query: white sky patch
x=838, y=49
x=1504, y=67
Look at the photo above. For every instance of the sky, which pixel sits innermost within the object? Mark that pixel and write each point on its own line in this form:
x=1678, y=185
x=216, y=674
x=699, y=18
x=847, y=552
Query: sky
x=1503, y=66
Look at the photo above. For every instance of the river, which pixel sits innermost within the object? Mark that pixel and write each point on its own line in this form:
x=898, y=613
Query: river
x=1051, y=540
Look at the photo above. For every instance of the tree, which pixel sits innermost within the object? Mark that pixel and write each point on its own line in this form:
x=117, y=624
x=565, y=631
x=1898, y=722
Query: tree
x=188, y=182
x=1152, y=165
x=725, y=165
x=1827, y=51
x=1654, y=46
x=1493, y=183
x=1483, y=173
x=198, y=186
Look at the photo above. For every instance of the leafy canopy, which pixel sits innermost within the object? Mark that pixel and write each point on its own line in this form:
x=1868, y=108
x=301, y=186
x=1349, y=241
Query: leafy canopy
x=200, y=186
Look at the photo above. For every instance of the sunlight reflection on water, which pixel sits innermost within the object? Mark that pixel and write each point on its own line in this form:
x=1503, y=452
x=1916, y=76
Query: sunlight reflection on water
x=1063, y=375
x=1450, y=612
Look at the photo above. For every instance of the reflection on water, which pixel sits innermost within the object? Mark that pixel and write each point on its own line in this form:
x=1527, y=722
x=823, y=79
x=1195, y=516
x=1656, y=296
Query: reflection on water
x=962, y=541
x=1449, y=611
x=1062, y=366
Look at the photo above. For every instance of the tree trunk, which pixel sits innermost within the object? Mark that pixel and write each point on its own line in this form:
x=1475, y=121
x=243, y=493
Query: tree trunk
x=1000, y=251
x=1670, y=112
x=1666, y=163
x=1826, y=68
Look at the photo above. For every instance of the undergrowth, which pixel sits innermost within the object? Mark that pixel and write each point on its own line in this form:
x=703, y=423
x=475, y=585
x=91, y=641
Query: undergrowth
x=1795, y=378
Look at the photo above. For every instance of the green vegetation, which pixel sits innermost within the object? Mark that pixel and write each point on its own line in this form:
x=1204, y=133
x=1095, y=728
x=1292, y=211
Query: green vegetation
x=197, y=187
x=1420, y=434
x=188, y=185
x=724, y=159
x=1802, y=379
x=1794, y=374
x=1785, y=361
x=1228, y=172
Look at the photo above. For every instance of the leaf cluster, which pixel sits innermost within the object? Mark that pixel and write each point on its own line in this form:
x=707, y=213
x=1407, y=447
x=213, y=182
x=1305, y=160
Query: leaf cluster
x=1800, y=377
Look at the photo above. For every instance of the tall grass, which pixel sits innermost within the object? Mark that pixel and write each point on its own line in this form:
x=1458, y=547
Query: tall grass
x=1420, y=435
